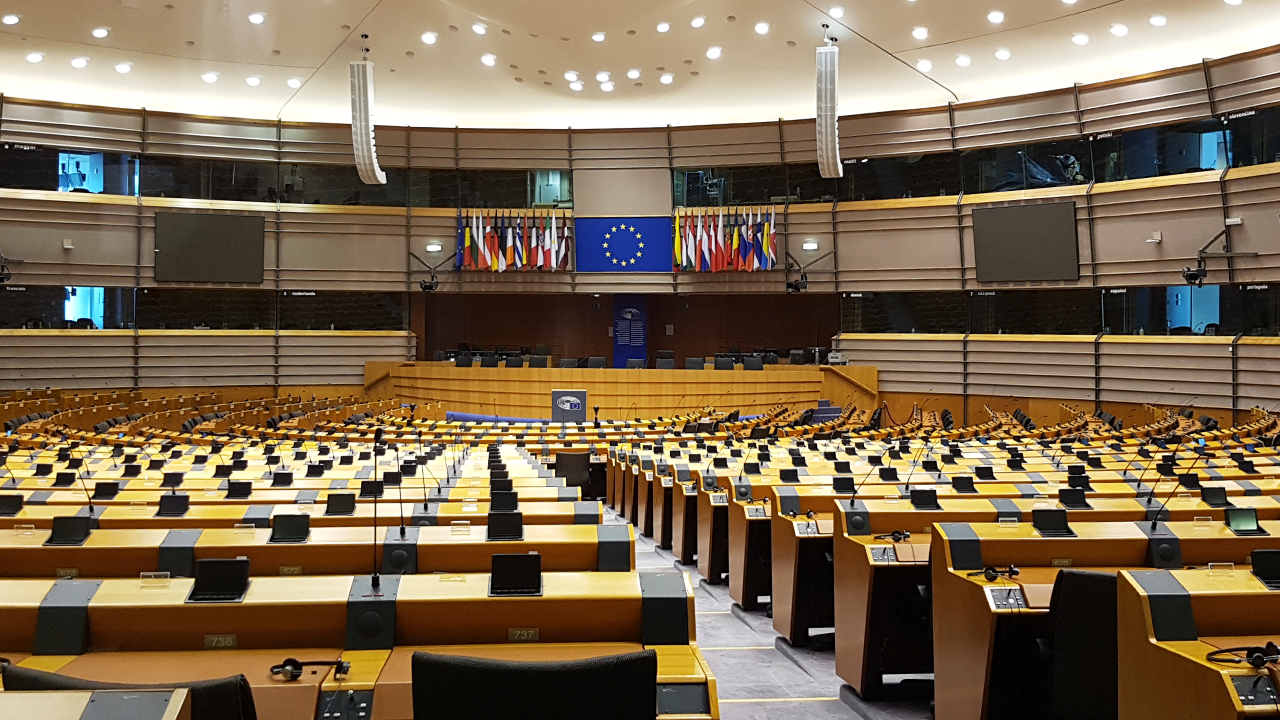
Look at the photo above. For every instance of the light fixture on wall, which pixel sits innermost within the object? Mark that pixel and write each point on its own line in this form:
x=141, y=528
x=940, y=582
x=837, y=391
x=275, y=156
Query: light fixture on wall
x=433, y=247
x=809, y=245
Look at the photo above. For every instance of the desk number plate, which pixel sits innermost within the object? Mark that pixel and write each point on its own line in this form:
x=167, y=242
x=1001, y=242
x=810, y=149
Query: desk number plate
x=522, y=635
x=221, y=642
x=667, y=482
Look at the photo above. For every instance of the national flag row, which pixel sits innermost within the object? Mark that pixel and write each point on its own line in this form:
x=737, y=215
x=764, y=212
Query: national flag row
x=709, y=240
x=497, y=241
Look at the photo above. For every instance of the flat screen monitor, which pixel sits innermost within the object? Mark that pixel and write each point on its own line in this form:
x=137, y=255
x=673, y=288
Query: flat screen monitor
x=516, y=575
x=1026, y=243
x=203, y=248
x=220, y=580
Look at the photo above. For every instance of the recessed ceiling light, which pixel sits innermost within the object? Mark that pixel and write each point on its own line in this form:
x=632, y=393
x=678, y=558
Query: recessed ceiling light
x=698, y=21
x=633, y=73
x=429, y=38
x=1080, y=39
x=607, y=86
x=253, y=81
x=479, y=28
x=664, y=26
x=602, y=76
x=713, y=52
x=295, y=83
x=963, y=60
x=920, y=32
x=80, y=63
x=762, y=28
x=1159, y=20
x=1119, y=30
x=1232, y=2
x=571, y=76
x=1003, y=54
x=35, y=57
x=924, y=65
x=101, y=32
x=995, y=16
x=124, y=67
x=667, y=78
x=1069, y=2
x=210, y=77
x=489, y=59
x=575, y=86
x=836, y=12
x=10, y=19
x=598, y=37
x=257, y=18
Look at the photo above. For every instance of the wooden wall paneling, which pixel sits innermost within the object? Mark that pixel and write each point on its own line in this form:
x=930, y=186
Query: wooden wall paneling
x=909, y=363
x=724, y=145
x=527, y=149
x=708, y=324
x=1186, y=209
x=347, y=249
x=772, y=282
x=146, y=235
x=1024, y=119
x=910, y=132
x=182, y=358
x=1259, y=363
x=169, y=134
x=1074, y=193
x=811, y=223
x=888, y=245
x=1246, y=81
x=318, y=143
x=430, y=147
x=1253, y=197
x=34, y=224
x=66, y=359
x=1052, y=366
x=1156, y=99
x=1142, y=370
x=319, y=358
x=800, y=141
x=69, y=126
x=636, y=282
x=573, y=325
x=619, y=149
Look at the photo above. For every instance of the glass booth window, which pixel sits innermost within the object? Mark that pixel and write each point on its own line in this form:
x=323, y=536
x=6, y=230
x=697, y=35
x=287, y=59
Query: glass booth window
x=205, y=309
x=1024, y=167
x=1167, y=150
x=60, y=307
x=552, y=189
x=83, y=308
x=922, y=312
x=307, y=184
x=506, y=189
x=1028, y=312
x=1192, y=310
x=181, y=177
x=28, y=167
x=1254, y=136
x=332, y=310
x=755, y=184
x=903, y=177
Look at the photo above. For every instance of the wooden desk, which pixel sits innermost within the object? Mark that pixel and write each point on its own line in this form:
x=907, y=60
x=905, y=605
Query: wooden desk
x=72, y=704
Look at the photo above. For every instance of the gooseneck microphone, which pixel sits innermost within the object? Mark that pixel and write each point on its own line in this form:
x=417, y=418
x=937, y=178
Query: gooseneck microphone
x=1177, y=485
x=375, y=579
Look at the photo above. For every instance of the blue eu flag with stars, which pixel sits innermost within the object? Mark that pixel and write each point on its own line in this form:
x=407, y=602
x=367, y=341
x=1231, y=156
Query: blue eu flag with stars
x=623, y=244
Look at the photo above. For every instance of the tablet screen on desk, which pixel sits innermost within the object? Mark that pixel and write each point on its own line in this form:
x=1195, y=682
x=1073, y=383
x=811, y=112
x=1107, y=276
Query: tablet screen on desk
x=1243, y=521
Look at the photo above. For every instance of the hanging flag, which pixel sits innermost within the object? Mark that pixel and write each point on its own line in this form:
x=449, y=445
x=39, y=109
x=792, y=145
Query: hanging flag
x=462, y=245
x=773, y=239
x=676, y=257
x=623, y=244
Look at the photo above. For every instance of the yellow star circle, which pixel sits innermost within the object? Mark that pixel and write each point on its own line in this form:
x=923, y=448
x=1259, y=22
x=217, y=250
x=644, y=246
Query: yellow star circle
x=626, y=230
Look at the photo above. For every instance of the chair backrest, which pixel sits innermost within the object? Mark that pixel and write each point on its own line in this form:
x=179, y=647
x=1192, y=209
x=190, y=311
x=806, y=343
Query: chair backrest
x=568, y=363
x=574, y=467
x=515, y=361
x=538, y=361
x=1082, y=615
x=619, y=687
x=666, y=354
x=635, y=363
x=695, y=363
x=489, y=361
x=752, y=362
x=462, y=361
x=596, y=362
x=228, y=698
x=666, y=364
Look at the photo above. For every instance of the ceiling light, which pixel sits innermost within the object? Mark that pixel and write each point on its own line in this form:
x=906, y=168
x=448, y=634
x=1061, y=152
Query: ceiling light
x=253, y=81
x=101, y=32
x=762, y=28
x=35, y=57
x=607, y=86
x=667, y=78
x=1003, y=54
x=434, y=247
x=598, y=37
x=920, y=32
x=963, y=60
x=429, y=38
x=995, y=16
x=1119, y=30
x=602, y=76
x=809, y=245
x=633, y=73
x=713, y=52
x=571, y=76
x=575, y=86
x=294, y=83
x=1069, y=2
x=924, y=65
x=698, y=21
x=124, y=67
x=1080, y=39
x=836, y=12
x=479, y=28
x=489, y=59
x=257, y=18
x=10, y=19
x=210, y=77
x=1232, y=2
x=80, y=63
x=1159, y=20
x=664, y=26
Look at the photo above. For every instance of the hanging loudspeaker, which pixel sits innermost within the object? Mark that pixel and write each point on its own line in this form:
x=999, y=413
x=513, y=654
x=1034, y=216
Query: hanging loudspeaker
x=362, y=124
x=828, y=136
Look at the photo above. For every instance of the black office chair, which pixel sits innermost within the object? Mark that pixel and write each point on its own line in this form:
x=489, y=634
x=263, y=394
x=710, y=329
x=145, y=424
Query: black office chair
x=568, y=363
x=635, y=364
x=1082, y=618
x=666, y=364
x=489, y=361
x=575, y=468
x=228, y=698
x=724, y=363
x=596, y=362
x=695, y=363
x=666, y=354
x=515, y=361
x=462, y=361
x=538, y=361
x=752, y=362
x=619, y=687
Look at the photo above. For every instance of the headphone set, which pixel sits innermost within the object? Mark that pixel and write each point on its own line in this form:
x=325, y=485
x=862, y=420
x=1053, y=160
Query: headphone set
x=896, y=536
x=291, y=669
x=1258, y=657
x=991, y=574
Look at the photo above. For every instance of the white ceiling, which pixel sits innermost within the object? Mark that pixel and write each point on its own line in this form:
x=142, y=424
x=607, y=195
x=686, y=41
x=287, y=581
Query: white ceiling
x=171, y=43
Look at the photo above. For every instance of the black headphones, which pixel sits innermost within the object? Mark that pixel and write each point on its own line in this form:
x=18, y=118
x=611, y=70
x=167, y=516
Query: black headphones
x=1255, y=656
x=991, y=574
x=896, y=536
x=291, y=669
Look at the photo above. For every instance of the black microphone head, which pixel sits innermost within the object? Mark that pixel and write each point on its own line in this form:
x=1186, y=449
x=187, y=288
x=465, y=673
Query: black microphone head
x=377, y=436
